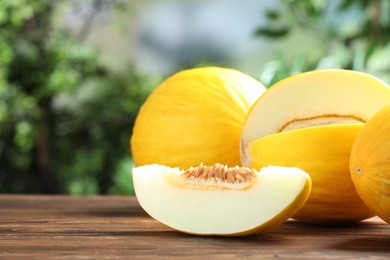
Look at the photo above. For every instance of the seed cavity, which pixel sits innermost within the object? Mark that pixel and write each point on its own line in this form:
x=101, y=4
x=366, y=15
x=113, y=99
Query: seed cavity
x=327, y=119
x=217, y=176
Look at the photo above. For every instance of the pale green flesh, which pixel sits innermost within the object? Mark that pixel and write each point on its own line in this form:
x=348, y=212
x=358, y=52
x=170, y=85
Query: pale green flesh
x=218, y=211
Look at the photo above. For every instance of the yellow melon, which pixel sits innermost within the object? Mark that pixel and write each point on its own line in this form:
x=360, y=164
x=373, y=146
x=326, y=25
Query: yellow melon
x=323, y=152
x=370, y=164
x=194, y=116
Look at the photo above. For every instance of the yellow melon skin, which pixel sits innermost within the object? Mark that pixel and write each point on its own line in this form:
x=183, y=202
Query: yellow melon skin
x=194, y=116
x=323, y=152
x=370, y=164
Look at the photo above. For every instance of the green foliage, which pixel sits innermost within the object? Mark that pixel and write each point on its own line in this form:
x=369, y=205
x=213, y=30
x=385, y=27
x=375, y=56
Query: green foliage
x=99, y=117
x=123, y=181
x=65, y=119
x=315, y=34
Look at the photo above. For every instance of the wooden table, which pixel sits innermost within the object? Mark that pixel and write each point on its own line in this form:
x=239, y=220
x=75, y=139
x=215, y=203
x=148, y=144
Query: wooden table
x=103, y=227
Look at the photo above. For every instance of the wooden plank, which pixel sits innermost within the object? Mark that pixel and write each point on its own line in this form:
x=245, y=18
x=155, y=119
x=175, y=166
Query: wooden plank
x=63, y=227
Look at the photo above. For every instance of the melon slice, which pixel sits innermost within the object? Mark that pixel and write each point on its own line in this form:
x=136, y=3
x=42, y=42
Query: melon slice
x=321, y=97
x=217, y=200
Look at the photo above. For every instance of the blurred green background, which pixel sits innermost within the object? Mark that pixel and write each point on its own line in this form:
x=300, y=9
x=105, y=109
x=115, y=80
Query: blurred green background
x=73, y=74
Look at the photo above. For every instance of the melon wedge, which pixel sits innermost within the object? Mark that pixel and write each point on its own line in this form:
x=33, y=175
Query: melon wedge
x=221, y=205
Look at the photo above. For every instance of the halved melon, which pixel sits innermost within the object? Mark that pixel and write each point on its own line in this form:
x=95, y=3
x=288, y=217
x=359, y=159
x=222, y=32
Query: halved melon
x=321, y=97
x=217, y=200
x=323, y=152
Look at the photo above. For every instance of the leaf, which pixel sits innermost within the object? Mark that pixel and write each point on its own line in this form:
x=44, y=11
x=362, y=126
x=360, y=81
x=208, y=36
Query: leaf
x=272, y=33
x=272, y=15
x=345, y=4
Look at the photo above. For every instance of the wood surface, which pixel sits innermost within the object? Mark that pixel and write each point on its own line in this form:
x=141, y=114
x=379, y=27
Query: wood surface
x=104, y=227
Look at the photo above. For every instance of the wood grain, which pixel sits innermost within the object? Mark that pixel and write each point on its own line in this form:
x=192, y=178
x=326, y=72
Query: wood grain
x=103, y=227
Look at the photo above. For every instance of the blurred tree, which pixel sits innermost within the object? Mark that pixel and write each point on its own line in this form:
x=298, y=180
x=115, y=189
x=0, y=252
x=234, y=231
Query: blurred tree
x=332, y=34
x=93, y=130
x=65, y=119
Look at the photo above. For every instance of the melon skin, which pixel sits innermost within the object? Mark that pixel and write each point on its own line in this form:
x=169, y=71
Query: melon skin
x=194, y=116
x=323, y=152
x=370, y=164
x=275, y=195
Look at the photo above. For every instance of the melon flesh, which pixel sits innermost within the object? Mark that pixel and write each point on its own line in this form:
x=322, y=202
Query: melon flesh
x=271, y=198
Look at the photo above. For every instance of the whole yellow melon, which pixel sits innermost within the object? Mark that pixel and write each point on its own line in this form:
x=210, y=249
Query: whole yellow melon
x=194, y=116
x=370, y=164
